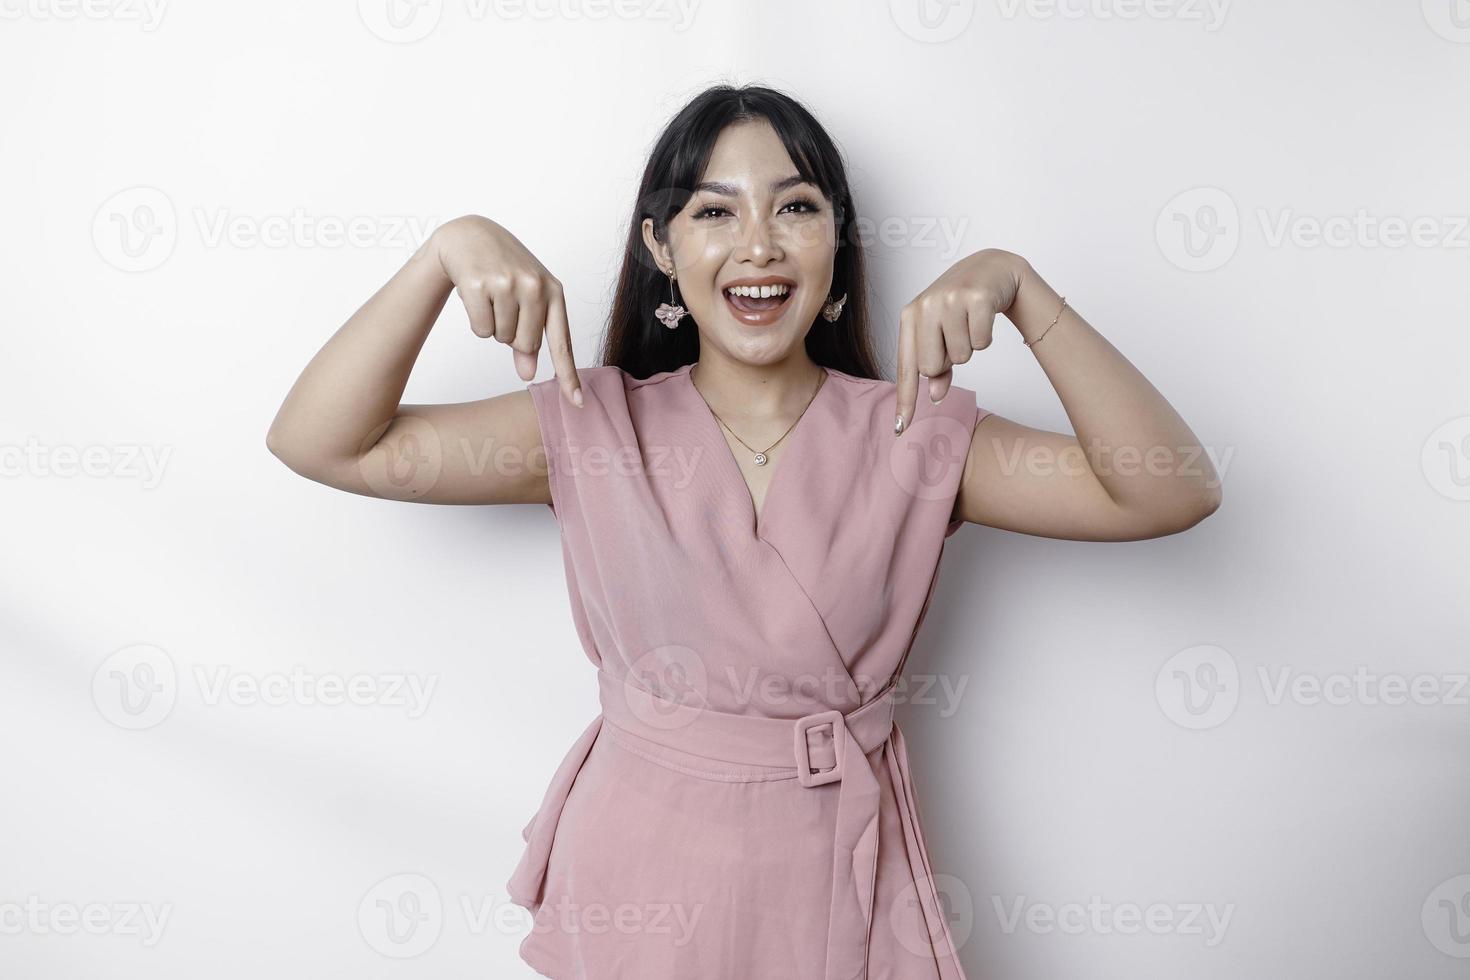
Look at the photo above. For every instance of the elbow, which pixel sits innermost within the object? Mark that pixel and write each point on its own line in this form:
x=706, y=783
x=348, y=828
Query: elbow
x=1200, y=506
x=1179, y=515
x=1211, y=503
x=275, y=444
x=308, y=462
x=280, y=447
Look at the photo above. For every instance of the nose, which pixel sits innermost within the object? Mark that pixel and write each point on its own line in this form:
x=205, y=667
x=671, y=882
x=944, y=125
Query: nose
x=756, y=244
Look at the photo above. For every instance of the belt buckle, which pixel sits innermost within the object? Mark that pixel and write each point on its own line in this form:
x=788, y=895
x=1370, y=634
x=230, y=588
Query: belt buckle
x=804, y=773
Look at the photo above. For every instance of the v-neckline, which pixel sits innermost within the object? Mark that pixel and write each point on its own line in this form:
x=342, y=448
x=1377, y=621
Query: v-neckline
x=756, y=522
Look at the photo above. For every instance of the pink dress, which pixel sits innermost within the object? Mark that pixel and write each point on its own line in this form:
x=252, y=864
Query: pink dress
x=742, y=807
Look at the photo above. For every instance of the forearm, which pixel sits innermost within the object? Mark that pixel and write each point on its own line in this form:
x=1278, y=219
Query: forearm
x=1139, y=448
x=350, y=391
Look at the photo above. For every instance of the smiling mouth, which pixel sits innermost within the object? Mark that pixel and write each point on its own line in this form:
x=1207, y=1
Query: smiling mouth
x=759, y=301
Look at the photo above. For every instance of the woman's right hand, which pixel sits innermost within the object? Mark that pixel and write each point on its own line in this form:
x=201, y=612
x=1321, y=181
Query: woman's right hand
x=508, y=294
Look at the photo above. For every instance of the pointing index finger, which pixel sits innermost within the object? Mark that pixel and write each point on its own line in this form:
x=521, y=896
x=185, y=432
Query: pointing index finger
x=559, y=337
x=908, y=372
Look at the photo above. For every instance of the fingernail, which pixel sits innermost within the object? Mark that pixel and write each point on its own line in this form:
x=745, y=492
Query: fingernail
x=577, y=396
x=897, y=424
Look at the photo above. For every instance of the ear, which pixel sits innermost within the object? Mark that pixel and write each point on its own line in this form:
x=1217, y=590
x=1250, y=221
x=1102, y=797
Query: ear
x=656, y=248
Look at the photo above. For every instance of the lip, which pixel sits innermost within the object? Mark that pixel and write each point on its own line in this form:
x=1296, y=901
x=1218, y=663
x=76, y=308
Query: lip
x=763, y=318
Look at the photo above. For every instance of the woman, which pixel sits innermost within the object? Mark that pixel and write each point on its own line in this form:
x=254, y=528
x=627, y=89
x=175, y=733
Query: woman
x=752, y=522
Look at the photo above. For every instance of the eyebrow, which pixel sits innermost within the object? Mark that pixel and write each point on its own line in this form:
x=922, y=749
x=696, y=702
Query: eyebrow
x=730, y=190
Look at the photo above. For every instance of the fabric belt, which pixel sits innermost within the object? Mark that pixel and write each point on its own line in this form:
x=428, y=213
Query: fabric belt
x=819, y=749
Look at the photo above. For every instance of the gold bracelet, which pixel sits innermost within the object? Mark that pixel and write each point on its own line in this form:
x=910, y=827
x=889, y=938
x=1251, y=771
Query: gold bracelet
x=1049, y=325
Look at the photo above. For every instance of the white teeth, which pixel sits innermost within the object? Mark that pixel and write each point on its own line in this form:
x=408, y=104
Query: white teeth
x=760, y=292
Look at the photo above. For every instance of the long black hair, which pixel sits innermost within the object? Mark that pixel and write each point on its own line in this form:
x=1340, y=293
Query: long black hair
x=634, y=340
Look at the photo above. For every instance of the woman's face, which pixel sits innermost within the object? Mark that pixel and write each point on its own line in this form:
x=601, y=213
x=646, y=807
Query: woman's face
x=753, y=221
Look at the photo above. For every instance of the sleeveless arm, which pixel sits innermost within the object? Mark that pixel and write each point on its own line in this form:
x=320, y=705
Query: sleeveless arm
x=578, y=441
x=547, y=398
x=971, y=413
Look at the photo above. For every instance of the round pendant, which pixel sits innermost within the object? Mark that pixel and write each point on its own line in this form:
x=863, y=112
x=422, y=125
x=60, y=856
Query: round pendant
x=760, y=459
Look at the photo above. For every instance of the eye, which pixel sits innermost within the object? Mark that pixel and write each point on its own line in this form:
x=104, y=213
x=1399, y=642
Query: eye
x=805, y=203
x=709, y=211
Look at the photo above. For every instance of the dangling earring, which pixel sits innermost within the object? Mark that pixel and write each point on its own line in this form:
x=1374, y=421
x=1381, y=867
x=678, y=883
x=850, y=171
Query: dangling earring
x=833, y=309
x=670, y=313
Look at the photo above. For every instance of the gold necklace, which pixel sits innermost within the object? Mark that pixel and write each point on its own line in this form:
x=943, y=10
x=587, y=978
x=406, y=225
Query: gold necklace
x=760, y=455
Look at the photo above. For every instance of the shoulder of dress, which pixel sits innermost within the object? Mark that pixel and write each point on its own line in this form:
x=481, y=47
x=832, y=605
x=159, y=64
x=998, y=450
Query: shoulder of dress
x=653, y=380
x=608, y=387
x=601, y=377
x=612, y=375
x=880, y=394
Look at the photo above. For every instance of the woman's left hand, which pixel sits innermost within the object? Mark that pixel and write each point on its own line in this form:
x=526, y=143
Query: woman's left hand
x=951, y=319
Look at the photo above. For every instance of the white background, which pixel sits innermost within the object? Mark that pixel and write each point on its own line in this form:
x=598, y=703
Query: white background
x=1145, y=160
